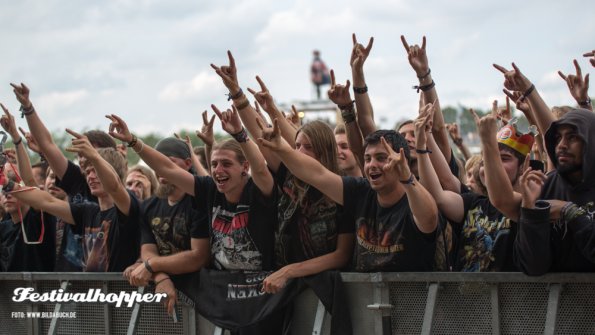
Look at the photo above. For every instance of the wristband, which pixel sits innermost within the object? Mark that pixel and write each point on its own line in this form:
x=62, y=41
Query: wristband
x=242, y=105
x=148, y=266
x=527, y=92
x=162, y=280
x=241, y=137
x=586, y=103
x=348, y=116
x=425, y=75
x=360, y=90
x=425, y=88
x=235, y=96
x=26, y=111
x=17, y=142
x=421, y=151
x=347, y=107
x=408, y=181
x=133, y=141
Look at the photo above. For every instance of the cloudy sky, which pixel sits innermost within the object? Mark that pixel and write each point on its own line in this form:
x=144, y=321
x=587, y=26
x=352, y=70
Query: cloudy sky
x=148, y=60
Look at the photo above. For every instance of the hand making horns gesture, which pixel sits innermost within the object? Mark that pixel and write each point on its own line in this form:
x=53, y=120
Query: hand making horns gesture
x=339, y=94
x=229, y=74
x=417, y=56
x=359, y=53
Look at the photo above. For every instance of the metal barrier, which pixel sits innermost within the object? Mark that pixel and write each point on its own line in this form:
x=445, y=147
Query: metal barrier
x=380, y=303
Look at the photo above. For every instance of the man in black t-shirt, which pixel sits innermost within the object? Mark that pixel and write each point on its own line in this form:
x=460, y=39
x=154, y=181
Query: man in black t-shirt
x=27, y=245
x=109, y=227
x=395, y=216
x=174, y=234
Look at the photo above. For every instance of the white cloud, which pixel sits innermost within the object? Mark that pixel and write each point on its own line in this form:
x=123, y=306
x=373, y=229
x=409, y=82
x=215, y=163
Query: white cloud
x=199, y=85
x=53, y=102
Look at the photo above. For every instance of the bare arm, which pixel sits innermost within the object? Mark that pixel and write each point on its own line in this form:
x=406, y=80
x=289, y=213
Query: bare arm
x=423, y=207
x=457, y=139
x=54, y=156
x=161, y=164
x=500, y=191
x=365, y=112
x=418, y=59
x=333, y=260
x=44, y=201
x=339, y=94
x=24, y=165
x=200, y=170
x=516, y=81
x=247, y=113
x=105, y=172
x=578, y=87
x=302, y=166
x=449, y=203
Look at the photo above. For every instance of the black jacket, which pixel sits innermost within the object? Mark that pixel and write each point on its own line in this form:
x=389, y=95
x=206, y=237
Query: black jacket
x=564, y=245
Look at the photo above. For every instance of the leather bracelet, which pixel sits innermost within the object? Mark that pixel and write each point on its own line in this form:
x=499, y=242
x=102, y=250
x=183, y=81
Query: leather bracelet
x=17, y=142
x=347, y=106
x=242, y=136
x=132, y=142
x=424, y=88
x=26, y=111
x=148, y=266
x=235, y=96
x=527, y=92
x=242, y=105
x=360, y=90
x=586, y=103
x=408, y=181
x=421, y=151
x=425, y=75
x=162, y=280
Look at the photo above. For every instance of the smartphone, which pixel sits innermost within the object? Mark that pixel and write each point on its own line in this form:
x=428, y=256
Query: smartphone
x=537, y=165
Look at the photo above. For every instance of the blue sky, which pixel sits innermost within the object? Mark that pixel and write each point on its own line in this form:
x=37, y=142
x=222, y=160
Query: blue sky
x=148, y=61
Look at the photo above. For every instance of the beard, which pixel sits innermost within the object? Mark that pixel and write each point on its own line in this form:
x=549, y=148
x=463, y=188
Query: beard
x=164, y=190
x=568, y=168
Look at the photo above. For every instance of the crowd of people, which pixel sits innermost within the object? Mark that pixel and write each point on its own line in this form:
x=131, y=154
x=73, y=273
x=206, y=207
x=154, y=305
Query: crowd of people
x=296, y=200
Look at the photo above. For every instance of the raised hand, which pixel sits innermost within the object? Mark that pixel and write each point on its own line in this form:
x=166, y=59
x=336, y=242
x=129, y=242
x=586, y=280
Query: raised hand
x=359, y=53
x=118, y=128
x=453, y=131
x=514, y=80
x=8, y=124
x=187, y=140
x=531, y=183
x=229, y=74
x=521, y=104
x=206, y=131
x=230, y=120
x=423, y=125
x=592, y=55
x=487, y=126
x=22, y=93
x=167, y=286
x=264, y=97
x=271, y=137
x=294, y=118
x=577, y=84
x=396, y=162
x=339, y=94
x=417, y=56
x=81, y=145
x=30, y=141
